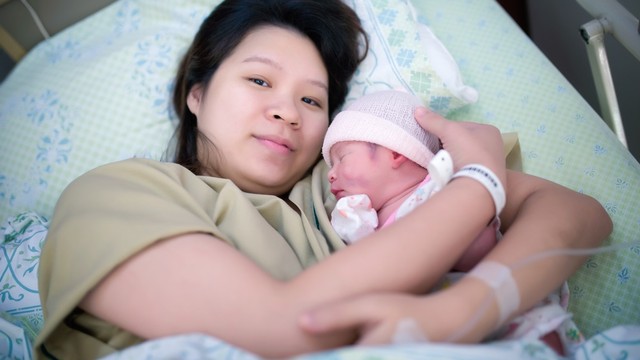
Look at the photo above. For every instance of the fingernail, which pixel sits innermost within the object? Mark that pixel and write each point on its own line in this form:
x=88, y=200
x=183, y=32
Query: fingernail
x=420, y=111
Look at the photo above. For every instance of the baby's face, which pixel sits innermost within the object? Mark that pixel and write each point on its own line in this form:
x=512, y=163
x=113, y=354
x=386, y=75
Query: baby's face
x=358, y=168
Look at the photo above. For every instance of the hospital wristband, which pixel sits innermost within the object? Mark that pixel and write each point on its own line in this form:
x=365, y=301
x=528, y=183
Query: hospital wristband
x=499, y=278
x=489, y=180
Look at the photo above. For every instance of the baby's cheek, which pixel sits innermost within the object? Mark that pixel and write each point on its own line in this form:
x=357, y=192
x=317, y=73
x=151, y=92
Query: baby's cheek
x=352, y=180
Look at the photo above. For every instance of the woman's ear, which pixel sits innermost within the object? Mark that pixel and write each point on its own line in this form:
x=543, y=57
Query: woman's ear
x=194, y=98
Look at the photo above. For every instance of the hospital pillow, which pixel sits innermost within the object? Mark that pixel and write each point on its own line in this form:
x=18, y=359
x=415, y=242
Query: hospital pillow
x=100, y=91
x=405, y=54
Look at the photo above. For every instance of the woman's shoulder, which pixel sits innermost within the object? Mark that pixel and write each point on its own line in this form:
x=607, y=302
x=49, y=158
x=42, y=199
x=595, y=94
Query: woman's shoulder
x=130, y=176
x=134, y=170
x=133, y=165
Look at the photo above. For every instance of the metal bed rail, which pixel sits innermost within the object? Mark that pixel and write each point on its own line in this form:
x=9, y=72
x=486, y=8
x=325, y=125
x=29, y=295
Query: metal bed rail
x=610, y=17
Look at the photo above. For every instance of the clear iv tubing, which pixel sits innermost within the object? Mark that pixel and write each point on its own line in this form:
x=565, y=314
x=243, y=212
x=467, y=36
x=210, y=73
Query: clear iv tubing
x=459, y=334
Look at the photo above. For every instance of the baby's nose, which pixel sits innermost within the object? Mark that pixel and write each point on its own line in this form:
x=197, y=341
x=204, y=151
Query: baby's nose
x=332, y=175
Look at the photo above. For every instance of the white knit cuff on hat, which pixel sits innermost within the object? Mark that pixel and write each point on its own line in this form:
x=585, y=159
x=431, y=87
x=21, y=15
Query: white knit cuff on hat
x=385, y=118
x=366, y=127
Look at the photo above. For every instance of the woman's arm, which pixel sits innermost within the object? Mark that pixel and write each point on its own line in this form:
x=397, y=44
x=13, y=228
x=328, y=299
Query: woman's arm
x=543, y=216
x=195, y=282
x=539, y=216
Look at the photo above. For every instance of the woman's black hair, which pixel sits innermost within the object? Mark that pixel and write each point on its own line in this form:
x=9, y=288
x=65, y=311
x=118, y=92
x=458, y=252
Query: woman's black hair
x=331, y=25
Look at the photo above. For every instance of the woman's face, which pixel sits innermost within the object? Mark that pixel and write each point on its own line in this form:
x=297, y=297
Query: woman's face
x=265, y=109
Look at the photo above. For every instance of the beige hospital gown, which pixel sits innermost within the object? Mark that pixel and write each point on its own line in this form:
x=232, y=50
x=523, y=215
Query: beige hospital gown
x=114, y=211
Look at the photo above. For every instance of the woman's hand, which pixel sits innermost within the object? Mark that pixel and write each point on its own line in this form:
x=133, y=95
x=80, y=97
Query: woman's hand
x=383, y=318
x=374, y=317
x=467, y=142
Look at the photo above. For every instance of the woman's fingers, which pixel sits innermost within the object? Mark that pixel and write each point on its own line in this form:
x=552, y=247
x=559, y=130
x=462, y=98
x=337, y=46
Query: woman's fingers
x=374, y=319
x=467, y=142
x=344, y=315
x=431, y=121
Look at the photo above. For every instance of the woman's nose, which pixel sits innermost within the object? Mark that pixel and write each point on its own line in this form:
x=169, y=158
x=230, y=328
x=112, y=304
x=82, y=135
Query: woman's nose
x=286, y=112
x=291, y=120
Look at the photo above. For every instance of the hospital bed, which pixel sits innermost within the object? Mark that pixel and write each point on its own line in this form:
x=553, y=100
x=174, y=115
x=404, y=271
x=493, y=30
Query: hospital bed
x=99, y=91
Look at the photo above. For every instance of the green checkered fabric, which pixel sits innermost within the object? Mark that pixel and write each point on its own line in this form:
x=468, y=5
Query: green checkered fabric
x=562, y=139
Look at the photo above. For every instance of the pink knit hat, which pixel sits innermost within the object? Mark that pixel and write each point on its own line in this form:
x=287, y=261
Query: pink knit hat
x=385, y=118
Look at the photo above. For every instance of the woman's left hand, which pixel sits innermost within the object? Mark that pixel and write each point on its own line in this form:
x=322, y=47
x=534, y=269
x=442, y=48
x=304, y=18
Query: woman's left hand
x=387, y=318
x=450, y=315
x=467, y=142
x=374, y=317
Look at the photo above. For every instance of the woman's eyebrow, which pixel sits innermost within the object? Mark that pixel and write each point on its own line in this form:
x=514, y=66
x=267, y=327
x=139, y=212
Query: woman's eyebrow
x=270, y=62
x=319, y=84
x=264, y=60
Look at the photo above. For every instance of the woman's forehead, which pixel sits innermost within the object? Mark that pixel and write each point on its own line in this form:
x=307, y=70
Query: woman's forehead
x=283, y=49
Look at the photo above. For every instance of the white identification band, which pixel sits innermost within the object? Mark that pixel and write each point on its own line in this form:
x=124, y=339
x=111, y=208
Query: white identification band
x=489, y=180
x=505, y=289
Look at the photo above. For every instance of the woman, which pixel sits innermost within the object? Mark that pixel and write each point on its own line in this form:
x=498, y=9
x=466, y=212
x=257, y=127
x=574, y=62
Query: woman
x=228, y=240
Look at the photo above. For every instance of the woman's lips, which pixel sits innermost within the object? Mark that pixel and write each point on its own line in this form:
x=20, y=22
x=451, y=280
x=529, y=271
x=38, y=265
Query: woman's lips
x=276, y=143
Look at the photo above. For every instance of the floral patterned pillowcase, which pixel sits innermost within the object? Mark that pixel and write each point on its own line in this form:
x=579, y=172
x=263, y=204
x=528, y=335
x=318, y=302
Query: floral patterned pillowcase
x=20, y=310
x=405, y=53
x=100, y=90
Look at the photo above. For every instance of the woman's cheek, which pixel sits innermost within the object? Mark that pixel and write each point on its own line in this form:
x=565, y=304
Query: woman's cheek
x=316, y=139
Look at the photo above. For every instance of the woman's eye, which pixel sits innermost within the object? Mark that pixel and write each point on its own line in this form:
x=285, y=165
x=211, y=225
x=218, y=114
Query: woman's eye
x=311, y=101
x=259, y=81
